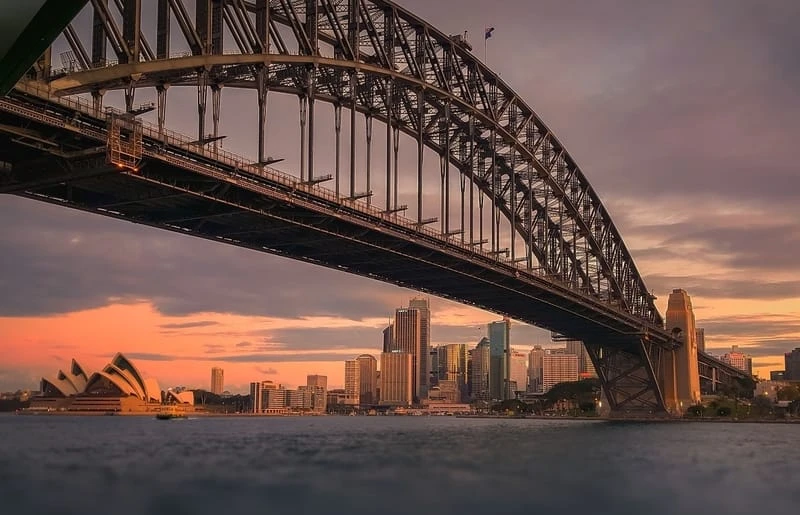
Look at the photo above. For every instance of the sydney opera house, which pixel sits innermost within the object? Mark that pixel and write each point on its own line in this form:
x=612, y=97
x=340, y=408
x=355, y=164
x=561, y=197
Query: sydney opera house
x=117, y=388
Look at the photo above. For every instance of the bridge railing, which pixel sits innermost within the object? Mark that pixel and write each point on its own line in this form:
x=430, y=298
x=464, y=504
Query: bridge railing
x=237, y=162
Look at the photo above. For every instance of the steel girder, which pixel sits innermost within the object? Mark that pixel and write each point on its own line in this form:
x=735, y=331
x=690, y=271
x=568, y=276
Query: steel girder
x=379, y=59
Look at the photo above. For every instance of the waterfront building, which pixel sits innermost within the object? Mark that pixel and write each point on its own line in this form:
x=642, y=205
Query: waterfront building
x=118, y=387
x=319, y=398
x=435, y=364
x=558, y=366
x=455, y=366
x=423, y=306
x=535, y=364
x=408, y=338
x=397, y=377
x=585, y=366
x=317, y=380
x=186, y=397
x=446, y=391
x=518, y=372
x=792, y=361
x=217, y=381
x=480, y=371
x=777, y=375
x=255, y=396
x=335, y=398
x=499, y=340
x=352, y=382
x=368, y=386
x=738, y=360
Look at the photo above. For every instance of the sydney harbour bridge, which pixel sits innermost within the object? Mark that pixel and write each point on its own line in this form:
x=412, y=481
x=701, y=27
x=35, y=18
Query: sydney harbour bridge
x=493, y=213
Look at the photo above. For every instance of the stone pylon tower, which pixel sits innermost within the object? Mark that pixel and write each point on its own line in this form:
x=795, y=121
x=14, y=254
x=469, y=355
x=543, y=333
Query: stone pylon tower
x=680, y=377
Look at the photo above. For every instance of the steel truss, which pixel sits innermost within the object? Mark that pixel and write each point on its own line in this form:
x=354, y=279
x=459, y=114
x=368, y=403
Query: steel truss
x=373, y=57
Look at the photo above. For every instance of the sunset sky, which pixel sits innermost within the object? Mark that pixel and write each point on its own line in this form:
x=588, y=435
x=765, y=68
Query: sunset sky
x=683, y=115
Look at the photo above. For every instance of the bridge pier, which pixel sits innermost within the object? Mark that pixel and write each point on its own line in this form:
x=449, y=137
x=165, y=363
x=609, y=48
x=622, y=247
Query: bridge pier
x=627, y=371
x=679, y=371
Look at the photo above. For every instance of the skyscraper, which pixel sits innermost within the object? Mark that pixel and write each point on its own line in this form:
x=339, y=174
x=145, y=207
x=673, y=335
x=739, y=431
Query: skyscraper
x=388, y=338
x=217, y=380
x=700, y=336
x=481, y=371
x=423, y=306
x=255, y=396
x=456, y=366
x=368, y=371
x=407, y=338
x=681, y=384
x=352, y=382
x=519, y=372
x=396, y=378
x=433, y=379
x=585, y=366
x=535, y=365
x=792, y=361
x=558, y=366
x=499, y=336
x=317, y=380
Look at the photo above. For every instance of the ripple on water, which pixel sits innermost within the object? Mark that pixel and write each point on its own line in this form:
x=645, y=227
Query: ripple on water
x=388, y=465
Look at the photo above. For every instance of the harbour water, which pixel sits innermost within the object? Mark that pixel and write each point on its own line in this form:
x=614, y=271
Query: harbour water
x=393, y=465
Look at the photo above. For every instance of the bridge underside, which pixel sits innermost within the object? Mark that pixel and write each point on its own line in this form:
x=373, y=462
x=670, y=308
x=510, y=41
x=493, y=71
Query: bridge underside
x=181, y=190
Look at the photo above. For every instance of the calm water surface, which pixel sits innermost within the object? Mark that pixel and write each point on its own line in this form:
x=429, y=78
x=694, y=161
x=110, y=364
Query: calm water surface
x=388, y=465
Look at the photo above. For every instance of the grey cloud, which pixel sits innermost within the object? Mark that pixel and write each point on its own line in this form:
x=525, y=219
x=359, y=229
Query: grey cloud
x=666, y=100
x=189, y=325
x=267, y=371
x=243, y=358
x=763, y=347
x=724, y=287
x=66, y=261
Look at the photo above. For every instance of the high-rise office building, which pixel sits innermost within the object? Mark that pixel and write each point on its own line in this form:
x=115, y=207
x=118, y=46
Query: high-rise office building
x=455, y=358
x=255, y=396
x=388, y=338
x=585, y=366
x=368, y=389
x=558, y=366
x=397, y=378
x=352, y=382
x=480, y=359
x=792, y=362
x=700, y=336
x=519, y=372
x=407, y=338
x=423, y=306
x=317, y=380
x=499, y=340
x=217, y=380
x=535, y=365
x=433, y=379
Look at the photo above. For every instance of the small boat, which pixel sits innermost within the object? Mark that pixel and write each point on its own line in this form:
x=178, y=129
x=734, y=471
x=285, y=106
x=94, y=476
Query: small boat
x=170, y=414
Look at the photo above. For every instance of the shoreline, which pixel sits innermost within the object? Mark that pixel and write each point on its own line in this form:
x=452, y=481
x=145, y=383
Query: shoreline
x=482, y=416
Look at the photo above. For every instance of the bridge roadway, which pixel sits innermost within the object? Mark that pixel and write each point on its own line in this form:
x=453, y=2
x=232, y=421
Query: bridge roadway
x=190, y=189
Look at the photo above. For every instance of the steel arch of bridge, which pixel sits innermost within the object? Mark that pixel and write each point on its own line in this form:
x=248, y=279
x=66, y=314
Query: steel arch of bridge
x=379, y=59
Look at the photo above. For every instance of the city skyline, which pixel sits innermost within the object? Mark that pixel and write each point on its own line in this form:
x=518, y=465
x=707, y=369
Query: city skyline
x=627, y=104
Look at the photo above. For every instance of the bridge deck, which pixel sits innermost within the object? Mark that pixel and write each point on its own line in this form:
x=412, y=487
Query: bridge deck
x=182, y=189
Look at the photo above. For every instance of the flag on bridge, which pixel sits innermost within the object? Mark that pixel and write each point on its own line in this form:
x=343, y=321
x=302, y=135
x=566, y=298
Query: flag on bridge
x=489, y=31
